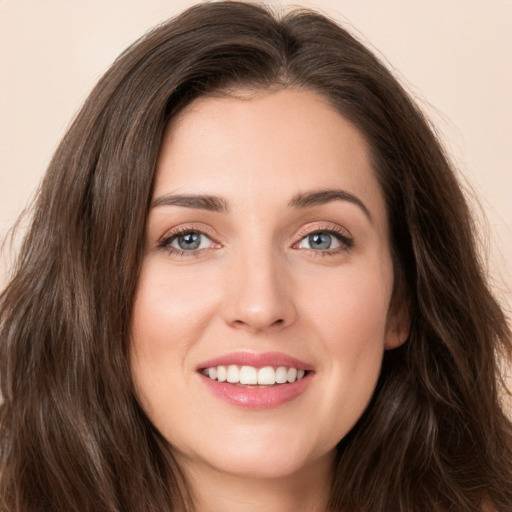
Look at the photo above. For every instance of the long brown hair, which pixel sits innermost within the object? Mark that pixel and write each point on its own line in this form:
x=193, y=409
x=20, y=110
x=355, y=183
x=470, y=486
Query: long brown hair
x=73, y=435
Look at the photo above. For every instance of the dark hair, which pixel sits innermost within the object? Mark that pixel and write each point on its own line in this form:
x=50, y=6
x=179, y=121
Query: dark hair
x=73, y=435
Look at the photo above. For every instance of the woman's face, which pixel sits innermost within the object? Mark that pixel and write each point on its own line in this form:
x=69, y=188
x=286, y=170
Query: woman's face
x=267, y=258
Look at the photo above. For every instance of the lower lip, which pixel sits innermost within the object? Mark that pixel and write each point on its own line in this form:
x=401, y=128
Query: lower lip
x=257, y=398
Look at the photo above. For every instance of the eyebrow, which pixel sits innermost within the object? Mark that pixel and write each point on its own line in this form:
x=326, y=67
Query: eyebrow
x=319, y=197
x=199, y=202
x=220, y=205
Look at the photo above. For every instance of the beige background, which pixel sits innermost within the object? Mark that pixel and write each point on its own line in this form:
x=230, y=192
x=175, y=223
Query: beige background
x=453, y=55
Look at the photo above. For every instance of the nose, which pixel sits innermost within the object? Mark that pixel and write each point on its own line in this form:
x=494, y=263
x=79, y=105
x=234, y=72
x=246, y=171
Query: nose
x=259, y=293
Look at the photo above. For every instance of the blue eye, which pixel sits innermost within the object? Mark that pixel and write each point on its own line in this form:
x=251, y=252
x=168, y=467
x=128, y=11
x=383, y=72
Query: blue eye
x=320, y=241
x=188, y=241
x=325, y=241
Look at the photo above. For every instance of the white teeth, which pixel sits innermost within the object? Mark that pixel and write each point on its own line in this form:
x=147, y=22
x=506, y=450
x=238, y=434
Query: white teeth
x=249, y=375
x=233, y=374
x=222, y=373
x=291, y=375
x=281, y=375
x=266, y=376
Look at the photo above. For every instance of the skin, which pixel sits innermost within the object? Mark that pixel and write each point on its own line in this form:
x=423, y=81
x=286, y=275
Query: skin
x=257, y=284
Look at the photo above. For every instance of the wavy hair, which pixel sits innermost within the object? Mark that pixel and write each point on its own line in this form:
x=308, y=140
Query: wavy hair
x=73, y=436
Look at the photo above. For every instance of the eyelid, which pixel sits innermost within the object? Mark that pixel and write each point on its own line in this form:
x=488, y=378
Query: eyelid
x=164, y=241
x=341, y=233
x=316, y=227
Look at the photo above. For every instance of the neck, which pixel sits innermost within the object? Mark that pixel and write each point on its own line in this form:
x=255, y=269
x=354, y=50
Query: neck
x=306, y=489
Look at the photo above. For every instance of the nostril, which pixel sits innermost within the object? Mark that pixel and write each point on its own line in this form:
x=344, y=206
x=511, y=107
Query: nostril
x=280, y=322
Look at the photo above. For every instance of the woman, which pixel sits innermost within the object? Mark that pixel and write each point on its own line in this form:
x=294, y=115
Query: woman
x=251, y=283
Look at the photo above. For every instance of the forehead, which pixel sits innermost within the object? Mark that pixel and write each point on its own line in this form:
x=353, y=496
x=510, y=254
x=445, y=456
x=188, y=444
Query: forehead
x=268, y=145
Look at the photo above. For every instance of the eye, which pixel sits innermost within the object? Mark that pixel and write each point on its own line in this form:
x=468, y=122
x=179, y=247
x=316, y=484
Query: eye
x=327, y=241
x=190, y=241
x=319, y=241
x=186, y=242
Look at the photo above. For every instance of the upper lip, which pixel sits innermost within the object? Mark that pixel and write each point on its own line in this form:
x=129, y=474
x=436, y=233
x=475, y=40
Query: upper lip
x=257, y=360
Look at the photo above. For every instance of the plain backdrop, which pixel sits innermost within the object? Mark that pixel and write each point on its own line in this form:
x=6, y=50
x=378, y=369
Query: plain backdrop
x=454, y=56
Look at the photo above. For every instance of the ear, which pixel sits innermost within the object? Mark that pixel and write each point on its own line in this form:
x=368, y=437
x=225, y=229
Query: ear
x=398, y=325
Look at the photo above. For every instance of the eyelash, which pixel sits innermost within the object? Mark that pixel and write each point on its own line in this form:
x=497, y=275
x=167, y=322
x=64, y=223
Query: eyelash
x=165, y=243
x=346, y=241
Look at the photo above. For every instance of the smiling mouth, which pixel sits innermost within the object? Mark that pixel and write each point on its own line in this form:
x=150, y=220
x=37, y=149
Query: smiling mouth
x=266, y=376
x=256, y=381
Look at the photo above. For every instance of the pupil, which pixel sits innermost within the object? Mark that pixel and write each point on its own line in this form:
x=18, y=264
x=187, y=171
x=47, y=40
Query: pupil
x=189, y=241
x=320, y=241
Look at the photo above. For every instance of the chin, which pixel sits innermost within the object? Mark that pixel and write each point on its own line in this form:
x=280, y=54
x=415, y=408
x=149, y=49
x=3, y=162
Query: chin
x=261, y=466
x=258, y=455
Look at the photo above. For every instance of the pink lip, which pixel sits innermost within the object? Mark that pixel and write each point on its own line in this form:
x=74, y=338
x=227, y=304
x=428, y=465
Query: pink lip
x=253, y=397
x=257, y=360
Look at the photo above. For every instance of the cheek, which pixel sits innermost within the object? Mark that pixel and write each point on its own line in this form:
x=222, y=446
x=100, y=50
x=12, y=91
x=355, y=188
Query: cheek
x=170, y=316
x=351, y=308
x=352, y=327
x=170, y=309
x=353, y=330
